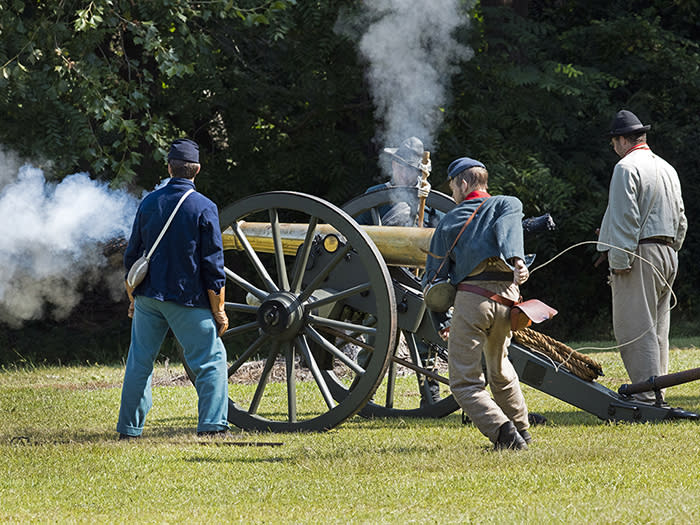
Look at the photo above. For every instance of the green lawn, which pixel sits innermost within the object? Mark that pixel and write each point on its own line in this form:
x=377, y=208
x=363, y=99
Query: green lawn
x=60, y=462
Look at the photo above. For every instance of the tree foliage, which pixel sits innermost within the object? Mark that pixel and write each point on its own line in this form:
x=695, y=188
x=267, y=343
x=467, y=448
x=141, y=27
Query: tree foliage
x=535, y=104
x=105, y=86
x=277, y=99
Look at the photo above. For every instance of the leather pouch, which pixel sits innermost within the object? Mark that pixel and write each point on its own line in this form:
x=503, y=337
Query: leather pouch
x=531, y=311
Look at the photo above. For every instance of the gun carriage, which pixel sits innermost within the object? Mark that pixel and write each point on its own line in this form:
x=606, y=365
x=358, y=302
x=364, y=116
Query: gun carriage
x=307, y=287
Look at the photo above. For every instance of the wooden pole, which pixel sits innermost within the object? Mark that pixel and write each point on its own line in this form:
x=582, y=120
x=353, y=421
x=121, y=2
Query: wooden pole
x=425, y=173
x=661, y=382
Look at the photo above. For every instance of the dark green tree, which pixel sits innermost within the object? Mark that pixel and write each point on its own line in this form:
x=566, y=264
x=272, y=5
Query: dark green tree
x=535, y=104
x=278, y=100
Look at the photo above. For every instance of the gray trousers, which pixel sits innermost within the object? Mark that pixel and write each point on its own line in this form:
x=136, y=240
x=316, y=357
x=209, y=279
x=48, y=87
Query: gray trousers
x=482, y=325
x=641, y=307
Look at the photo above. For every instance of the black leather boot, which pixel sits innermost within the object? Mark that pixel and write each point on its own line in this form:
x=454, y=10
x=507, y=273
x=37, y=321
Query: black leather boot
x=509, y=438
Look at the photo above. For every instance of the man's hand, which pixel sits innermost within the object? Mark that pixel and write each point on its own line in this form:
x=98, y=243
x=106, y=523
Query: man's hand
x=520, y=272
x=217, y=302
x=426, y=165
x=221, y=321
x=129, y=290
x=423, y=188
x=603, y=257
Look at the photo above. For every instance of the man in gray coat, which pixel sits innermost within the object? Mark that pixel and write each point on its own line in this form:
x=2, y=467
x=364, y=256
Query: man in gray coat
x=645, y=216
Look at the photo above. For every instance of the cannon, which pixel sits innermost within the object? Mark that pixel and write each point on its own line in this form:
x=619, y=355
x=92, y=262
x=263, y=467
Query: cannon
x=310, y=290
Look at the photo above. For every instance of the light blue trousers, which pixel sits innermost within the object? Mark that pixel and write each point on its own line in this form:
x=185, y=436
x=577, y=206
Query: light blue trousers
x=205, y=354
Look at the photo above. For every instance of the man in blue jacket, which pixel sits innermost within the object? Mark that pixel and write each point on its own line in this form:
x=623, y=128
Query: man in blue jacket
x=406, y=172
x=486, y=263
x=182, y=291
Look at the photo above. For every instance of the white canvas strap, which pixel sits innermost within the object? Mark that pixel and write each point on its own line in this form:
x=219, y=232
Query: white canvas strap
x=167, y=224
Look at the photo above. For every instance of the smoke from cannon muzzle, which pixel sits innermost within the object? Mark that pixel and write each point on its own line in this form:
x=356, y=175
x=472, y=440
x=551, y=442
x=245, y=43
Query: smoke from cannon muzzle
x=399, y=215
x=64, y=242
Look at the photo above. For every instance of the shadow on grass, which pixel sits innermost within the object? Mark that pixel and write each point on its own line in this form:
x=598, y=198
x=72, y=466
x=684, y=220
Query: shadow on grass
x=42, y=436
x=687, y=402
x=574, y=417
x=181, y=431
x=240, y=459
x=323, y=454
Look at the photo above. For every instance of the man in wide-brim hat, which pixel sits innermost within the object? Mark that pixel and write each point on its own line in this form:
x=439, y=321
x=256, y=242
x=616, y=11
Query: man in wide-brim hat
x=406, y=172
x=645, y=217
x=406, y=164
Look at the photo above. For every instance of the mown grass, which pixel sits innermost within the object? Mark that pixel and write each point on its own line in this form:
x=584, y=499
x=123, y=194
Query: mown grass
x=60, y=462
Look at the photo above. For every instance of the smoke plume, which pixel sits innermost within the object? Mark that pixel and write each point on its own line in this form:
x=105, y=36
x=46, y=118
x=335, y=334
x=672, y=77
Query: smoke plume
x=411, y=52
x=52, y=240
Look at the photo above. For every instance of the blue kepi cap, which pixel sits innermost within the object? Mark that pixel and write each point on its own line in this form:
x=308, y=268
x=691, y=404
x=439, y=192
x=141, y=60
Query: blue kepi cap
x=457, y=166
x=184, y=149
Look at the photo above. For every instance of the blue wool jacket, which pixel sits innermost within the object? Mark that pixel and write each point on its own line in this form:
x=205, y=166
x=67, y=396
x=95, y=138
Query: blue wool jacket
x=189, y=259
x=431, y=216
x=495, y=231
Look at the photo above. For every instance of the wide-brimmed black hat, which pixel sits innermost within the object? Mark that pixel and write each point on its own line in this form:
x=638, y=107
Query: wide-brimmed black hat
x=626, y=122
x=410, y=153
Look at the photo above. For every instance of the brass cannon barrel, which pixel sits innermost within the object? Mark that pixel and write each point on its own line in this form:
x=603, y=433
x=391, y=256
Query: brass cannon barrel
x=399, y=246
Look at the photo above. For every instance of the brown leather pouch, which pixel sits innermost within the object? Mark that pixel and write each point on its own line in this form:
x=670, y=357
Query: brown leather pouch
x=531, y=311
x=522, y=313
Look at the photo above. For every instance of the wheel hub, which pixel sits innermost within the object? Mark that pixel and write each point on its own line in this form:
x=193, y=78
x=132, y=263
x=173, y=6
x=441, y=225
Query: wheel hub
x=280, y=315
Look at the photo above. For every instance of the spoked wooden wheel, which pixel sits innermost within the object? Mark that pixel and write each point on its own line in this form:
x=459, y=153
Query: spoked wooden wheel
x=294, y=263
x=419, y=352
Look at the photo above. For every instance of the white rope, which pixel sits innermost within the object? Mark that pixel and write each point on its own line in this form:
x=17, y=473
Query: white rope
x=658, y=272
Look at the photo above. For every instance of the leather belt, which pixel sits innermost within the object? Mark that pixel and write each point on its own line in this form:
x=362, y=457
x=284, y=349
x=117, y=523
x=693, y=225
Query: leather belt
x=464, y=287
x=666, y=241
x=490, y=276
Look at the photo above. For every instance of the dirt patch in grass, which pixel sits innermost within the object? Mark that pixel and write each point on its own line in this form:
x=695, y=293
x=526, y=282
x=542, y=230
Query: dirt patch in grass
x=248, y=374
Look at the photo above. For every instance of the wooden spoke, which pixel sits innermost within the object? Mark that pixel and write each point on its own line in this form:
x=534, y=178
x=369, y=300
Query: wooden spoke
x=254, y=259
x=262, y=380
x=303, y=257
x=279, y=251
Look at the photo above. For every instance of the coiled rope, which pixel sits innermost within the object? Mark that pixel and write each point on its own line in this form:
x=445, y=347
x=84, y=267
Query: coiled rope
x=560, y=354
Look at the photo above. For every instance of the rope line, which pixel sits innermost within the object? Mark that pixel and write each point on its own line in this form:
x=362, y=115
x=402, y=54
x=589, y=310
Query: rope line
x=560, y=354
x=656, y=270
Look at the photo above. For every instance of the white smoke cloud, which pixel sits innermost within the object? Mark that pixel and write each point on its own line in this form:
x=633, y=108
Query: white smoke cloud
x=412, y=52
x=52, y=240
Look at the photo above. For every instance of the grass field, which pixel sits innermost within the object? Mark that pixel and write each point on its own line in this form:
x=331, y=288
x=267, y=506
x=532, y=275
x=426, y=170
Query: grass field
x=60, y=462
